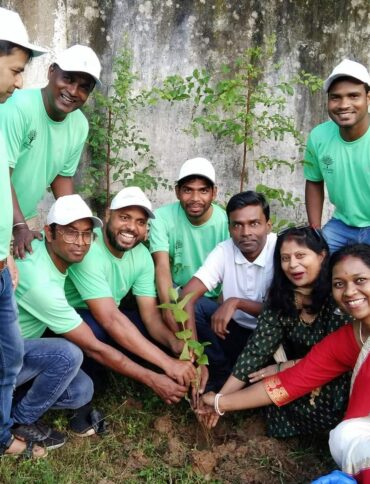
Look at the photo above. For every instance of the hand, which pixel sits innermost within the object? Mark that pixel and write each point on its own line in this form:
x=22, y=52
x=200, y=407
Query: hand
x=170, y=321
x=221, y=317
x=184, y=372
x=261, y=374
x=23, y=237
x=176, y=346
x=207, y=414
x=13, y=271
x=335, y=477
x=168, y=390
x=203, y=376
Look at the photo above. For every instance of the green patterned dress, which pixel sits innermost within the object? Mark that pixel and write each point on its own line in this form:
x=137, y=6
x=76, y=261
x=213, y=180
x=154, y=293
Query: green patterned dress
x=309, y=414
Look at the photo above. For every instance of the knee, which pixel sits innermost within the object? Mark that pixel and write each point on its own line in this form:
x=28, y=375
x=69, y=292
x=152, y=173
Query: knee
x=84, y=390
x=73, y=354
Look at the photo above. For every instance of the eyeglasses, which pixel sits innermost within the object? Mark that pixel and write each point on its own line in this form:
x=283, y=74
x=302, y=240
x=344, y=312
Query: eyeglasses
x=71, y=236
x=317, y=233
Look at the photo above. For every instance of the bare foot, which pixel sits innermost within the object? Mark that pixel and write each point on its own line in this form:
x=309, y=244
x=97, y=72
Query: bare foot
x=17, y=447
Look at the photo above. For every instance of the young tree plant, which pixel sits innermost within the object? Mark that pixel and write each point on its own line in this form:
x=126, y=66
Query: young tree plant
x=192, y=350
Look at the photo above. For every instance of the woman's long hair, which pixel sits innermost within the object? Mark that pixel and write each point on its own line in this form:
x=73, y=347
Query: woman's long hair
x=281, y=293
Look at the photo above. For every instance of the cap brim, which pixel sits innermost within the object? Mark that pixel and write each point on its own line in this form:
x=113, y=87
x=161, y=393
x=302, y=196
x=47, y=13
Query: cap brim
x=197, y=174
x=329, y=81
x=74, y=69
x=97, y=223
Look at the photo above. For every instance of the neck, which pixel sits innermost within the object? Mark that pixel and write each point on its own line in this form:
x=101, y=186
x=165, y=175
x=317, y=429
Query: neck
x=354, y=132
x=59, y=263
x=117, y=253
x=55, y=116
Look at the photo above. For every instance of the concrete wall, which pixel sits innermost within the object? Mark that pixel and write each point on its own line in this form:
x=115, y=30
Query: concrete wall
x=175, y=36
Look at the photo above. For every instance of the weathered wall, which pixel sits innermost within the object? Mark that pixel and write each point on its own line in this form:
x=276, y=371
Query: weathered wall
x=175, y=36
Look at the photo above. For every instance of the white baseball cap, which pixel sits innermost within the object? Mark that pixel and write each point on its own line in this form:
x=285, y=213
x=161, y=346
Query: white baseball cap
x=198, y=167
x=80, y=58
x=13, y=30
x=70, y=208
x=132, y=196
x=348, y=68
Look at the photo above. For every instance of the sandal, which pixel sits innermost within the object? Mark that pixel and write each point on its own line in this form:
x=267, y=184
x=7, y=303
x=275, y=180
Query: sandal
x=30, y=451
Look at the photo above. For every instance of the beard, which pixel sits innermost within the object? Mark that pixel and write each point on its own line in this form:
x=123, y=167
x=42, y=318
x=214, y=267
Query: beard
x=112, y=239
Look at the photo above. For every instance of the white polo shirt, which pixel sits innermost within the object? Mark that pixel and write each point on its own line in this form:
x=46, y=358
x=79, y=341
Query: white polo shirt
x=240, y=278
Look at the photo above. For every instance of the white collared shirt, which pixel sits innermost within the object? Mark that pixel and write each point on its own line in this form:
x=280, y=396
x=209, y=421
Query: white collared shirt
x=240, y=278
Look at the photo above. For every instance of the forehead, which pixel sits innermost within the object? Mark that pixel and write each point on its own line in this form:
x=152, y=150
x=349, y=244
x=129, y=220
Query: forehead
x=248, y=213
x=348, y=266
x=291, y=245
x=346, y=85
x=196, y=183
x=82, y=77
x=82, y=225
x=17, y=58
x=133, y=211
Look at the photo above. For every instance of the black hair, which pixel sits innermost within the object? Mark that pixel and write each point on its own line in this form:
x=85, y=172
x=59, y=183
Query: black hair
x=190, y=178
x=244, y=199
x=53, y=230
x=281, y=293
x=360, y=251
x=6, y=48
x=349, y=79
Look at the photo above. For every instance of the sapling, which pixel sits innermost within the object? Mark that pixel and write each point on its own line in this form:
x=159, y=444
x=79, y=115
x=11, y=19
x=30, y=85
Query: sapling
x=192, y=350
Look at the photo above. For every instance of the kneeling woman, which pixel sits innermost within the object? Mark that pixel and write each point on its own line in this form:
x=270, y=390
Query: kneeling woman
x=299, y=312
x=346, y=349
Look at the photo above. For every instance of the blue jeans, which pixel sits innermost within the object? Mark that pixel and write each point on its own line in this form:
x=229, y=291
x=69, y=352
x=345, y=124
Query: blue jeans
x=52, y=365
x=11, y=353
x=338, y=234
x=222, y=353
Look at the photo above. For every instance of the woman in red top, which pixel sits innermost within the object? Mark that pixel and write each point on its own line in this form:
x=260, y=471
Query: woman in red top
x=345, y=349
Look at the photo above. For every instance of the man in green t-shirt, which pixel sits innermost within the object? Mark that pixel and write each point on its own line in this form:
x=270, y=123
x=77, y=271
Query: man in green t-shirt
x=338, y=154
x=45, y=132
x=185, y=232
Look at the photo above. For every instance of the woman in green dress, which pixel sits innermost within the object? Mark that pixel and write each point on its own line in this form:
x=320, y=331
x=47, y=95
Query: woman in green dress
x=299, y=312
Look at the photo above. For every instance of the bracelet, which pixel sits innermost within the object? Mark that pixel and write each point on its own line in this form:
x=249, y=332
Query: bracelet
x=217, y=409
x=279, y=366
x=19, y=223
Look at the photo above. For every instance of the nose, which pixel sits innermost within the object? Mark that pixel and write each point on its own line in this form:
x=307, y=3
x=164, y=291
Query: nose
x=73, y=88
x=343, y=103
x=80, y=239
x=349, y=289
x=18, y=83
x=293, y=262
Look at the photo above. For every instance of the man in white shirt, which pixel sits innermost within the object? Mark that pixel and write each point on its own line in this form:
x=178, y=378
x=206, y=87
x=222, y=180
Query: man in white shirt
x=244, y=266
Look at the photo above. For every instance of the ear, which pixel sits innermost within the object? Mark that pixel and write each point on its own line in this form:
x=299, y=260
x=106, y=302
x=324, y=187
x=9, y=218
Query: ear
x=368, y=98
x=214, y=193
x=48, y=234
x=268, y=226
x=177, y=191
x=107, y=215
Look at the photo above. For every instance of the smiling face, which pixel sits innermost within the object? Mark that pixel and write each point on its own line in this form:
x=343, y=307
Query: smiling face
x=65, y=92
x=300, y=264
x=63, y=253
x=348, y=107
x=351, y=287
x=249, y=228
x=11, y=68
x=196, y=196
x=125, y=228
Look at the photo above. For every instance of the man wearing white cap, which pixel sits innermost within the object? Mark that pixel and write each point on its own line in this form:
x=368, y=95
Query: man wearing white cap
x=117, y=263
x=185, y=232
x=338, y=153
x=15, y=51
x=46, y=132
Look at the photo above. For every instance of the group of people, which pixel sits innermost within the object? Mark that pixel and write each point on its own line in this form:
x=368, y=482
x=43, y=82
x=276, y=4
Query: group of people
x=287, y=321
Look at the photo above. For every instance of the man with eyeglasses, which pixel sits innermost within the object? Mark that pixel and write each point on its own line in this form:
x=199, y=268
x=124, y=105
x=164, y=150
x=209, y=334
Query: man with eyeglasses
x=118, y=263
x=43, y=305
x=243, y=265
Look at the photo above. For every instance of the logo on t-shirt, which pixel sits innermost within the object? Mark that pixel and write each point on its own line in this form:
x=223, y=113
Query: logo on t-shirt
x=327, y=161
x=32, y=135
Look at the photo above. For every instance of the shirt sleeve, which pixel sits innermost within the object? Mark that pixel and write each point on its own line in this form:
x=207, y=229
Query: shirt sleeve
x=12, y=126
x=70, y=166
x=331, y=357
x=158, y=235
x=311, y=168
x=144, y=284
x=261, y=345
x=211, y=273
x=89, y=280
x=49, y=305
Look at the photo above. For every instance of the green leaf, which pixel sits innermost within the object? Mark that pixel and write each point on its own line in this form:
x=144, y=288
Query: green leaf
x=167, y=306
x=202, y=360
x=173, y=293
x=184, y=335
x=185, y=354
x=180, y=315
x=185, y=300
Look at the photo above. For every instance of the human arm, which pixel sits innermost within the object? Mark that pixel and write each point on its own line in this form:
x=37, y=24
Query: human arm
x=162, y=385
x=62, y=185
x=314, y=199
x=124, y=332
x=262, y=373
x=221, y=317
x=14, y=273
x=164, y=282
x=22, y=235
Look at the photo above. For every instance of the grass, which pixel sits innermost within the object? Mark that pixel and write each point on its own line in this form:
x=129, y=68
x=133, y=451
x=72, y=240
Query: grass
x=150, y=442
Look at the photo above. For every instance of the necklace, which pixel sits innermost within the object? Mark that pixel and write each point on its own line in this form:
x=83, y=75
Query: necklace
x=360, y=334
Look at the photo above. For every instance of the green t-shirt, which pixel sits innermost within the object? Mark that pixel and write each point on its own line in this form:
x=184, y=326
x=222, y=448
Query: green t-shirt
x=6, y=218
x=101, y=274
x=39, y=148
x=345, y=168
x=40, y=295
x=187, y=245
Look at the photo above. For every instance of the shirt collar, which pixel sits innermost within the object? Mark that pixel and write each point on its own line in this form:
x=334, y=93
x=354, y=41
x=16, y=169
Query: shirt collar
x=261, y=259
